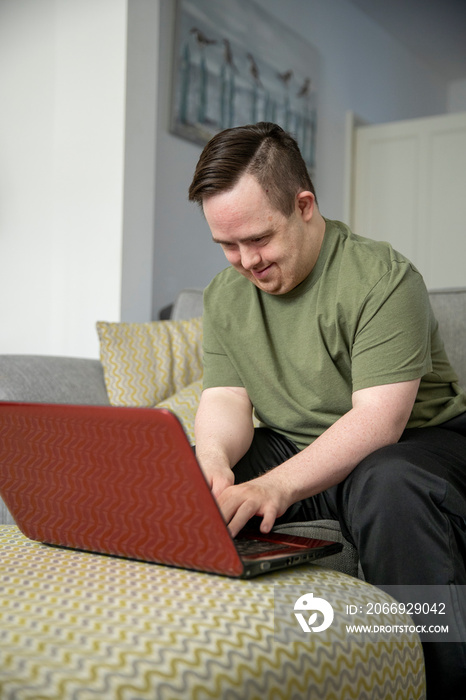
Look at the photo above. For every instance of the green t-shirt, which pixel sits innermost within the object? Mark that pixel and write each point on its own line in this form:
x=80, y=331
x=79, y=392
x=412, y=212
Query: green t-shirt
x=362, y=318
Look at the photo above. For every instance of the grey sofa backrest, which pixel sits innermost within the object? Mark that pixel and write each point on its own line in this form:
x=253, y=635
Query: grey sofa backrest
x=449, y=307
x=188, y=304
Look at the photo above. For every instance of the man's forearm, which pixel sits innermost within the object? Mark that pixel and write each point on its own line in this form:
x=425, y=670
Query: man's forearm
x=324, y=463
x=377, y=418
x=373, y=422
x=223, y=426
x=327, y=461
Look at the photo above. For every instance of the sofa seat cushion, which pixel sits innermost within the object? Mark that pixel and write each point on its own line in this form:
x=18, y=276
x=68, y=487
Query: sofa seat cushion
x=84, y=625
x=145, y=363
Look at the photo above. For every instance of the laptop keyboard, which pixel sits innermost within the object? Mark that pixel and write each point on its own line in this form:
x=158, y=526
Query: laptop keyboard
x=246, y=547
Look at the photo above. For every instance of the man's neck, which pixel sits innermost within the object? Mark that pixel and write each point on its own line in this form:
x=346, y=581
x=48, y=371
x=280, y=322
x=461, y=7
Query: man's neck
x=317, y=233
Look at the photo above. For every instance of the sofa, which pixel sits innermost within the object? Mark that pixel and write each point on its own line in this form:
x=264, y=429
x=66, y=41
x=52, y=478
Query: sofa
x=77, y=623
x=82, y=381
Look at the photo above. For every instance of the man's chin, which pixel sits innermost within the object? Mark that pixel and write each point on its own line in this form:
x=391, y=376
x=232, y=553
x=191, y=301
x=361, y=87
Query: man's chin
x=269, y=286
x=270, y=283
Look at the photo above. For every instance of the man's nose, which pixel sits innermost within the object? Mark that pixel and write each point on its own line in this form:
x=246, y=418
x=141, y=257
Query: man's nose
x=249, y=258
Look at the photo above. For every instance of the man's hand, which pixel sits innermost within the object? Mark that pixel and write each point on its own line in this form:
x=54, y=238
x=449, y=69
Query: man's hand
x=219, y=479
x=259, y=496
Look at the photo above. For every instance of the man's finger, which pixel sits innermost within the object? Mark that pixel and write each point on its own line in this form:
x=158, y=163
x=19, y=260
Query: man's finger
x=268, y=520
x=240, y=518
x=237, y=508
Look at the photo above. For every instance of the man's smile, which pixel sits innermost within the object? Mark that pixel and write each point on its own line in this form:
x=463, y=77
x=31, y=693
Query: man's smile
x=259, y=274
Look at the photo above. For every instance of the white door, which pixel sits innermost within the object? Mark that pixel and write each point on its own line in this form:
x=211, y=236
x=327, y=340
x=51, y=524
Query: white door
x=409, y=188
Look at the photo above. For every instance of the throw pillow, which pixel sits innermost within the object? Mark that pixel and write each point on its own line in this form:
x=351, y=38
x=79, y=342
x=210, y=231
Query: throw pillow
x=184, y=405
x=145, y=363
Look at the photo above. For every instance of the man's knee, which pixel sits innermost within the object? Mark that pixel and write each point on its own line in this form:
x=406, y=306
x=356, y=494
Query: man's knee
x=393, y=479
x=387, y=467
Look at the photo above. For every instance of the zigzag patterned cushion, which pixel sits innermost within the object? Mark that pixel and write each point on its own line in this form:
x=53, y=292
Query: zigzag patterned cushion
x=145, y=363
x=184, y=405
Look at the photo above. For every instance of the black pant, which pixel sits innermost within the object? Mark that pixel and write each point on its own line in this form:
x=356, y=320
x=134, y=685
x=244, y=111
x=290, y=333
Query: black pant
x=404, y=509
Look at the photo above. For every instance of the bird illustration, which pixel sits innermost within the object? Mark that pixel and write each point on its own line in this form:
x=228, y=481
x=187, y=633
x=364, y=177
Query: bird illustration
x=201, y=38
x=305, y=88
x=228, y=55
x=285, y=77
x=254, y=69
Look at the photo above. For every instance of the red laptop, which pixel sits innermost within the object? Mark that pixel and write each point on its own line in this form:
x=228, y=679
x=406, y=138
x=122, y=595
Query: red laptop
x=126, y=482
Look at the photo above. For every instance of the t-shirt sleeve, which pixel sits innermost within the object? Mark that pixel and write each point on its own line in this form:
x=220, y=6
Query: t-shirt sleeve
x=392, y=340
x=218, y=369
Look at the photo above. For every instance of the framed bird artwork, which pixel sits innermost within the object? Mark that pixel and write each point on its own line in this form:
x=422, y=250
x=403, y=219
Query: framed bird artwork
x=234, y=64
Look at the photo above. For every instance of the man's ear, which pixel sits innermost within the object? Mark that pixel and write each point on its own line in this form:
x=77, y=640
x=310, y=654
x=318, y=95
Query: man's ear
x=305, y=202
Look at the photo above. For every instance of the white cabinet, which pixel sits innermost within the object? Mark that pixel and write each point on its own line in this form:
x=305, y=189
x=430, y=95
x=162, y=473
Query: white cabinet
x=408, y=186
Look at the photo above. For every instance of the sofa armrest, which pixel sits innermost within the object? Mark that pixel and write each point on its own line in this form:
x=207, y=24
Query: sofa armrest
x=47, y=379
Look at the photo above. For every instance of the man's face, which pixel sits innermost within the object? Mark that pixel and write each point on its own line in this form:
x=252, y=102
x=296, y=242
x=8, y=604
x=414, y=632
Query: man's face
x=271, y=250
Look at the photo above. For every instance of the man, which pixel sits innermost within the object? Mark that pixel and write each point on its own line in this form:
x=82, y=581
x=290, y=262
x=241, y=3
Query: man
x=330, y=339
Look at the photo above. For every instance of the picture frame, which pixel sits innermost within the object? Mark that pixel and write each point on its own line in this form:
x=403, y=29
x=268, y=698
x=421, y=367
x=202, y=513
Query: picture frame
x=235, y=64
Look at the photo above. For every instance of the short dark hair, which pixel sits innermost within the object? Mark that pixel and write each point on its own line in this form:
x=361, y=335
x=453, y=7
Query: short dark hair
x=264, y=150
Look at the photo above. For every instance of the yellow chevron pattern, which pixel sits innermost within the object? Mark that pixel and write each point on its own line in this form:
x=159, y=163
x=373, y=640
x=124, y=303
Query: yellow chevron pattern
x=184, y=405
x=80, y=626
x=145, y=363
